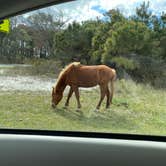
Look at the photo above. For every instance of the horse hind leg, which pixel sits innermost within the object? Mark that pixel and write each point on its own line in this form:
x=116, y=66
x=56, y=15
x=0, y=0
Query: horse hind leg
x=108, y=98
x=75, y=89
x=102, y=95
x=111, y=88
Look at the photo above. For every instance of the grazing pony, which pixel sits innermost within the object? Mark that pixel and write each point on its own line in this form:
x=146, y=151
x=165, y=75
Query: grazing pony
x=77, y=75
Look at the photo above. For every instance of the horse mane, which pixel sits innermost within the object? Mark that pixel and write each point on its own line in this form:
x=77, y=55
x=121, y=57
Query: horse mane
x=64, y=70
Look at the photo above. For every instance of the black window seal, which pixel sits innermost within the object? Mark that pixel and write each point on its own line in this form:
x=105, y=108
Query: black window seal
x=34, y=8
x=121, y=136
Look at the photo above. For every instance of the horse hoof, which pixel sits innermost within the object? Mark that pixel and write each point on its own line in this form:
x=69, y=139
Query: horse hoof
x=65, y=107
x=78, y=110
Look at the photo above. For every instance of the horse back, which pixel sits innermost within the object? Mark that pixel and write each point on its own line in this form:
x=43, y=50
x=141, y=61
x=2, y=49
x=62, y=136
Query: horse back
x=88, y=76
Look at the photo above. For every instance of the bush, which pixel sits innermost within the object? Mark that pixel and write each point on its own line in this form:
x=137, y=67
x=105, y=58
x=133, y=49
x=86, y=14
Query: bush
x=150, y=71
x=45, y=67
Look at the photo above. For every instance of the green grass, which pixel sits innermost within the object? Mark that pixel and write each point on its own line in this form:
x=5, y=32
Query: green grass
x=136, y=109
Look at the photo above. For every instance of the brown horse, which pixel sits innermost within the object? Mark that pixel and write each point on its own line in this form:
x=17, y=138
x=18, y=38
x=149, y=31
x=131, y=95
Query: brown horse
x=76, y=75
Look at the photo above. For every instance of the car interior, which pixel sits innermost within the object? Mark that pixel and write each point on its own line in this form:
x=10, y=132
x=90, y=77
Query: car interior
x=19, y=147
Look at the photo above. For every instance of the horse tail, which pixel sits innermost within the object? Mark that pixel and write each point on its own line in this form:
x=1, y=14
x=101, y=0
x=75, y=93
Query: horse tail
x=111, y=84
x=114, y=74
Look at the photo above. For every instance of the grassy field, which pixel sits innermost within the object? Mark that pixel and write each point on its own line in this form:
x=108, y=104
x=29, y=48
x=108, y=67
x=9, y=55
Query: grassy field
x=136, y=109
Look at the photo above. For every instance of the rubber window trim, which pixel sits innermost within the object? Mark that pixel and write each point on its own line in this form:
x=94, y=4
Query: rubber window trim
x=35, y=8
x=84, y=134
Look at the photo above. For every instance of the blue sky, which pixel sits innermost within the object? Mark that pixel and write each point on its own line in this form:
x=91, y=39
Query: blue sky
x=80, y=10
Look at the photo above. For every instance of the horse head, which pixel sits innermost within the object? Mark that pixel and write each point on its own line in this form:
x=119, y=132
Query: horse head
x=56, y=97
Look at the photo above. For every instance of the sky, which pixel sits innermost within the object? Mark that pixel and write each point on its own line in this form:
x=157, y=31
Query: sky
x=81, y=10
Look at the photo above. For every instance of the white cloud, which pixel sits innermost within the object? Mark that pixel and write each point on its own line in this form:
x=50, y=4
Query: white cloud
x=84, y=9
x=79, y=10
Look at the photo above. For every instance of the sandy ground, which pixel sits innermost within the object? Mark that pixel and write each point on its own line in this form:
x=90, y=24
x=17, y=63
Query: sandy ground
x=26, y=83
x=29, y=83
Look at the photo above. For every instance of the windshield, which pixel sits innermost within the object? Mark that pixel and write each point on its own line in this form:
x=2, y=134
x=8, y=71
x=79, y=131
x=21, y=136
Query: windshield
x=95, y=65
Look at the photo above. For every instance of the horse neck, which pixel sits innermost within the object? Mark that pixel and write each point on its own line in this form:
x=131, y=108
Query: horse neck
x=61, y=85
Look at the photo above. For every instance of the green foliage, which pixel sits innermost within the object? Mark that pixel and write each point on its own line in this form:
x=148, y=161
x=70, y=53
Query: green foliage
x=98, y=42
x=143, y=14
x=128, y=37
x=16, y=45
x=115, y=16
x=74, y=43
x=32, y=39
x=125, y=63
x=150, y=70
x=116, y=38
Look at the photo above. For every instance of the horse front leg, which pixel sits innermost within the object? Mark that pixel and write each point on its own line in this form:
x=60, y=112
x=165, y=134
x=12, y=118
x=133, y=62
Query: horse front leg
x=75, y=89
x=69, y=96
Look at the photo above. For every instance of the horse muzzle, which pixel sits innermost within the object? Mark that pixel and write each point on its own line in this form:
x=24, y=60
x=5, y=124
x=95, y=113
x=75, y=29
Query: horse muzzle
x=53, y=105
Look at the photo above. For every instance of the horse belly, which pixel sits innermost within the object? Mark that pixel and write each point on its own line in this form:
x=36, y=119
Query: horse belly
x=87, y=80
x=87, y=85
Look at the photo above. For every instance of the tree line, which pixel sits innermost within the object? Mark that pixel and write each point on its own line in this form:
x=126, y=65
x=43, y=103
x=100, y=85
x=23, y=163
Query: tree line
x=134, y=45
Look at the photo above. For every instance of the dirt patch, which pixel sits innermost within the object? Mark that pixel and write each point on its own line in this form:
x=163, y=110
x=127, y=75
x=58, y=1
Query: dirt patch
x=29, y=83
